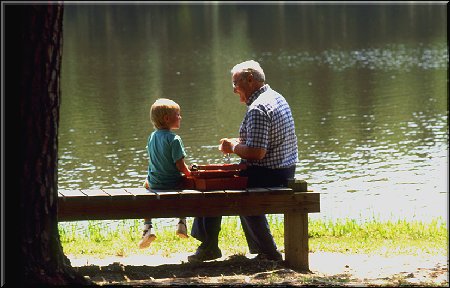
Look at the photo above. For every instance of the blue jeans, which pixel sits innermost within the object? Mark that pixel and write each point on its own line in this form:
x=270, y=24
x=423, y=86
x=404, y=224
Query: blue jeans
x=256, y=228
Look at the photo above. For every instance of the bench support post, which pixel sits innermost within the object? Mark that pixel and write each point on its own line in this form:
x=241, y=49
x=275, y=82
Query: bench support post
x=296, y=233
x=296, y=240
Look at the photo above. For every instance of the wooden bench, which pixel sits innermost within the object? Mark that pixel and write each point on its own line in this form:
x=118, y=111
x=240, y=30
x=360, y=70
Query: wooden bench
x=294, y=201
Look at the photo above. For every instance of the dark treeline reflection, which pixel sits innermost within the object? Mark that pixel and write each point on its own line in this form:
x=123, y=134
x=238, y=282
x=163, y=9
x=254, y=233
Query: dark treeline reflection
x=300, y=26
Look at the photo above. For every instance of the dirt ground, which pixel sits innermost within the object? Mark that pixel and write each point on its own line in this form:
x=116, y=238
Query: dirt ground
x=326, y=269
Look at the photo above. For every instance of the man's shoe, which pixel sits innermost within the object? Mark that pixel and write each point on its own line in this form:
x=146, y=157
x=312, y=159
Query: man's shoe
x=204, y=255
x=272, y=257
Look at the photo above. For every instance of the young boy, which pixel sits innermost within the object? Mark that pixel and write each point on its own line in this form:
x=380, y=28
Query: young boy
x=166, y=164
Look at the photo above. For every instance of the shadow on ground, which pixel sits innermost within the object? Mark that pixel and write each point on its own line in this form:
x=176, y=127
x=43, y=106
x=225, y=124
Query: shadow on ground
x=236, y=270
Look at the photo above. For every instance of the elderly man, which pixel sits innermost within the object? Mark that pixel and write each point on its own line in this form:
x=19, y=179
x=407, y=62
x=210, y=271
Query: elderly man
x=268, y=145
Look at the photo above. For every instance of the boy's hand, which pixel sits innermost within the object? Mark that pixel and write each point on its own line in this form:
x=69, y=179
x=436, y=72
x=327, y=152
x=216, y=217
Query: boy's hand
x=146, y=186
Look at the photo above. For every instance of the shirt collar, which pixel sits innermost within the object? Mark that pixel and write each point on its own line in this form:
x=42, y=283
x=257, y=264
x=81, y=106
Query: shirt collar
x=255, y=94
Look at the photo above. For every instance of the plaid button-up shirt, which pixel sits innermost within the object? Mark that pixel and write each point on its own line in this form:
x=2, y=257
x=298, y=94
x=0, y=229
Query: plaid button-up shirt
x=269, y=124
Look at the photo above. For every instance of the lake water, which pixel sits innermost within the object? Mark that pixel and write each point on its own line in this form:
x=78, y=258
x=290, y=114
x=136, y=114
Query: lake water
x=367, y=84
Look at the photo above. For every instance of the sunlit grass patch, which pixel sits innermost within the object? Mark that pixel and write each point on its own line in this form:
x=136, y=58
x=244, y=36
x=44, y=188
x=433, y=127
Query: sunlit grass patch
x=120, y=238
x=387, y=237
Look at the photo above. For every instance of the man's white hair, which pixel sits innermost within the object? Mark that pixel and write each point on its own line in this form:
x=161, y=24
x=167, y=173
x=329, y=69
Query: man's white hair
x=250, y=66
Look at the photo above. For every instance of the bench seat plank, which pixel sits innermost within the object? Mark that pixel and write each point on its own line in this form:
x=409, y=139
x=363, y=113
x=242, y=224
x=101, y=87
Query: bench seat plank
x=72, y=193
x=94, y=193
x=279, y=189
x=214, y=193
x=233, y=191
x=167, y=193
x=117, y=192
x=188, y=194
x=163, y=205
x=137, y=191
x=262, y=190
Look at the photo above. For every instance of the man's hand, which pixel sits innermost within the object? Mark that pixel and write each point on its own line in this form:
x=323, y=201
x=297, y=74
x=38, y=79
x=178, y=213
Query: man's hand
x=227, y=145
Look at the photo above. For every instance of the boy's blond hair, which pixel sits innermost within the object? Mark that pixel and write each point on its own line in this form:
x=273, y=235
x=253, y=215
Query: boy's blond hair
x=160, y=109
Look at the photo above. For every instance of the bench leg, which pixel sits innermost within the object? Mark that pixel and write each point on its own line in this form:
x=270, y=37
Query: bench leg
x=296, y=240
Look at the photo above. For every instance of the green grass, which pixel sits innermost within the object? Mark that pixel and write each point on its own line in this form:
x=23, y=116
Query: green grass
x=101, y=238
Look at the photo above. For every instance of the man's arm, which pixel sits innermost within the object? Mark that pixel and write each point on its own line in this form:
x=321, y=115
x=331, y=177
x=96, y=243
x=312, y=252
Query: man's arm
x=232, y=145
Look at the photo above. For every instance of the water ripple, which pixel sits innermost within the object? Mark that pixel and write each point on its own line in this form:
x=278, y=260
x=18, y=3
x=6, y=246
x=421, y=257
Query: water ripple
x=391, y=57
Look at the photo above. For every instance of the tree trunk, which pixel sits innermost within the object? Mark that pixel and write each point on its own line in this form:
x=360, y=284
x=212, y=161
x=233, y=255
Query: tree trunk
x=34, y=37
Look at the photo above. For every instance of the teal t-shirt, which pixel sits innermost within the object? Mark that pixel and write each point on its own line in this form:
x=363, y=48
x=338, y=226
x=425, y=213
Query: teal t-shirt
x=164, y=149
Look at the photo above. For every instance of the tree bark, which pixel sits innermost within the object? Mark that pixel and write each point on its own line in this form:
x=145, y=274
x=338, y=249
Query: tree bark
x=33, y=52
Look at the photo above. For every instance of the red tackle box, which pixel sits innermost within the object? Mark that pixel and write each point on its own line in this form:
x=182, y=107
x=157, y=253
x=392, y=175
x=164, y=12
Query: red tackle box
x=218, y=177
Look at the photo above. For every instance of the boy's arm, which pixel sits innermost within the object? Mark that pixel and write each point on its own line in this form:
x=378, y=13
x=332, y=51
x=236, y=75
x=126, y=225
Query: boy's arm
x=182, y=167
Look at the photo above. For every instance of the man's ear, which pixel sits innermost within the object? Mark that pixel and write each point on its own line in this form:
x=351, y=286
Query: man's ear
x=250, y=78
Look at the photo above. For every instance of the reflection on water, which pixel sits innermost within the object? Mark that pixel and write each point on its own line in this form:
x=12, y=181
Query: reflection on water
x=367, y=86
